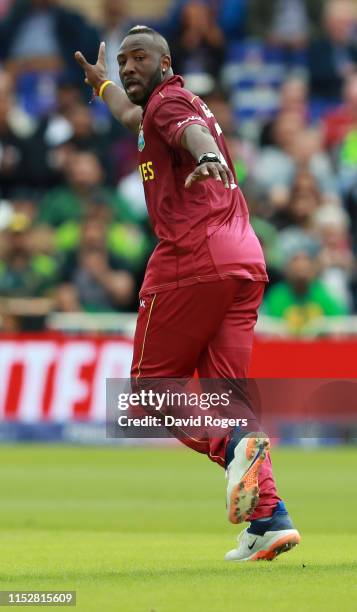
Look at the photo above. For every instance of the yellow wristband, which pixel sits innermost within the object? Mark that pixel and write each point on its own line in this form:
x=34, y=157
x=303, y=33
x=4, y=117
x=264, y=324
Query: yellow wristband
x=103, y=87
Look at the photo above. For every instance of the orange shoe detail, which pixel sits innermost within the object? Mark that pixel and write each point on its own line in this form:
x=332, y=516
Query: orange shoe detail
x=245, y=495
x=250, y=450
x=283, y=545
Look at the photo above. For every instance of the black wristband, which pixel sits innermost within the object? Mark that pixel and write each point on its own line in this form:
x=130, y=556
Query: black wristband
x=208, y=157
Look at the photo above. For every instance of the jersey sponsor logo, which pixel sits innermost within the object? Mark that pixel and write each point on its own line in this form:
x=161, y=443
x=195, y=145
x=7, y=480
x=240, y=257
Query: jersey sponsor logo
x=142, y=304
x=192, y=118
x=141, y=140
x=147, y=171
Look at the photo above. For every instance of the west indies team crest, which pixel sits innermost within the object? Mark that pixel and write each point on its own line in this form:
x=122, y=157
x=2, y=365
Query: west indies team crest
x=141, y=139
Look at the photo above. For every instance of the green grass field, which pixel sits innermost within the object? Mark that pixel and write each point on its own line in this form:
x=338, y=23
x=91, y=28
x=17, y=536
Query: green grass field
x=146, y=530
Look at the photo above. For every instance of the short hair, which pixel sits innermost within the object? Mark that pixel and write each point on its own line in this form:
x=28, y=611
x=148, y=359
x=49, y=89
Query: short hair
x=159, y=40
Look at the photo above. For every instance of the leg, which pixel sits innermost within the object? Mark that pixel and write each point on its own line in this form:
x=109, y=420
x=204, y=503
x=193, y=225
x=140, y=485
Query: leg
x=228, y=356
x=173, y=329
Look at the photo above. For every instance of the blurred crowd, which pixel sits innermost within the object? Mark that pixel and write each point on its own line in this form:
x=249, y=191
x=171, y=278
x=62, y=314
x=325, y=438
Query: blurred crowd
x=281, y=79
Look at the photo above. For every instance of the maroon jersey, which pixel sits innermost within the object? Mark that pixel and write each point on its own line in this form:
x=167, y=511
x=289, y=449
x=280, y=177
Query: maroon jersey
x=204, y=232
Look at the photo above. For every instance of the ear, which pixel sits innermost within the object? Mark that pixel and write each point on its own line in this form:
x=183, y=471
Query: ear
x=165, y=63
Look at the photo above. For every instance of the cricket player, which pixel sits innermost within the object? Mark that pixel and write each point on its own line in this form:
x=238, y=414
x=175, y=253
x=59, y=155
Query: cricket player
x=205, y=279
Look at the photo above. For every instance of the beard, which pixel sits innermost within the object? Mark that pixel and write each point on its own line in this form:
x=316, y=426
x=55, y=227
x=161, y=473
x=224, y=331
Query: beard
x=156, y=79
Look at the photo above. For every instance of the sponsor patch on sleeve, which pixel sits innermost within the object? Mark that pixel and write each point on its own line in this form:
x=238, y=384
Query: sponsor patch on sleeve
x=192, y=118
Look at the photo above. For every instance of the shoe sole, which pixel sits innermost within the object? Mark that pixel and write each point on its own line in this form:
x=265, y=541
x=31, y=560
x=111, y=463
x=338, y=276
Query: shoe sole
x=245, y=494
x=282, y=545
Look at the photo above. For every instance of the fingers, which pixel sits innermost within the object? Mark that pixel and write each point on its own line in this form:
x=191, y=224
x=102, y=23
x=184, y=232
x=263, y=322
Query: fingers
x=222, y=173
x=199, y=174
x=230, y=176
x=214, y=170
x=81, y=60
x=217, y=171
x=224, y=176
x=101, y=53
x=190, y=180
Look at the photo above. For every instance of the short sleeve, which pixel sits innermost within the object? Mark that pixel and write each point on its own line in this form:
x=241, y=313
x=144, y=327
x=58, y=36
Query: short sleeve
x=172, y=116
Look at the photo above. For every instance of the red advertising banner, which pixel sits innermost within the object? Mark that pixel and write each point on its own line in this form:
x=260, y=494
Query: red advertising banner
x=324, y=358
x=54, y=378
x=59, y=379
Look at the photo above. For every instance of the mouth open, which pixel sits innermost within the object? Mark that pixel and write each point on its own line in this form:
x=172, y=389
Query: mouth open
x=132, y=87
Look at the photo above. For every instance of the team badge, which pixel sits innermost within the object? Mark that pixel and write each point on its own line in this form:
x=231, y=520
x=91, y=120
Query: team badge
x=141, y=139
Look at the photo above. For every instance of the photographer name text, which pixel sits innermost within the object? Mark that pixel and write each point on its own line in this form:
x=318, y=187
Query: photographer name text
x=171, y=421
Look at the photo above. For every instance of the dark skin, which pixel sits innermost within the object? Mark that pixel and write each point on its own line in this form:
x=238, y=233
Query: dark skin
x=145, y=63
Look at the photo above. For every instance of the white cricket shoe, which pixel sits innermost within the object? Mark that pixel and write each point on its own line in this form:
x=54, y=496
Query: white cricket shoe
x=266, y=539
x=242, y=476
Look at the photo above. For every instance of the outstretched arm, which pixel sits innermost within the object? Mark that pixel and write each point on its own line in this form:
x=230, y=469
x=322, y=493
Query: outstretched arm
x=116, y=99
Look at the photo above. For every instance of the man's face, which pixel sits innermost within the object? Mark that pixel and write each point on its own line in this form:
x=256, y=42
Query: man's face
x=303, y=205
x=301, y=270
x=340, y=20
x=114, y=11
x=140, y=67
x=93, y=234
x=287, y=125
x=83, y=171
x=81, y=121
x=18, y=243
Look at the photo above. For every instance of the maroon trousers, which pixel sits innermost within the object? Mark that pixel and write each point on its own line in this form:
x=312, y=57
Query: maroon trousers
x=207, y=328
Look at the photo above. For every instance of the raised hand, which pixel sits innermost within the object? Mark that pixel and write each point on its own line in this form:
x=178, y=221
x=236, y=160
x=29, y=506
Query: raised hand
x=97, y=73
